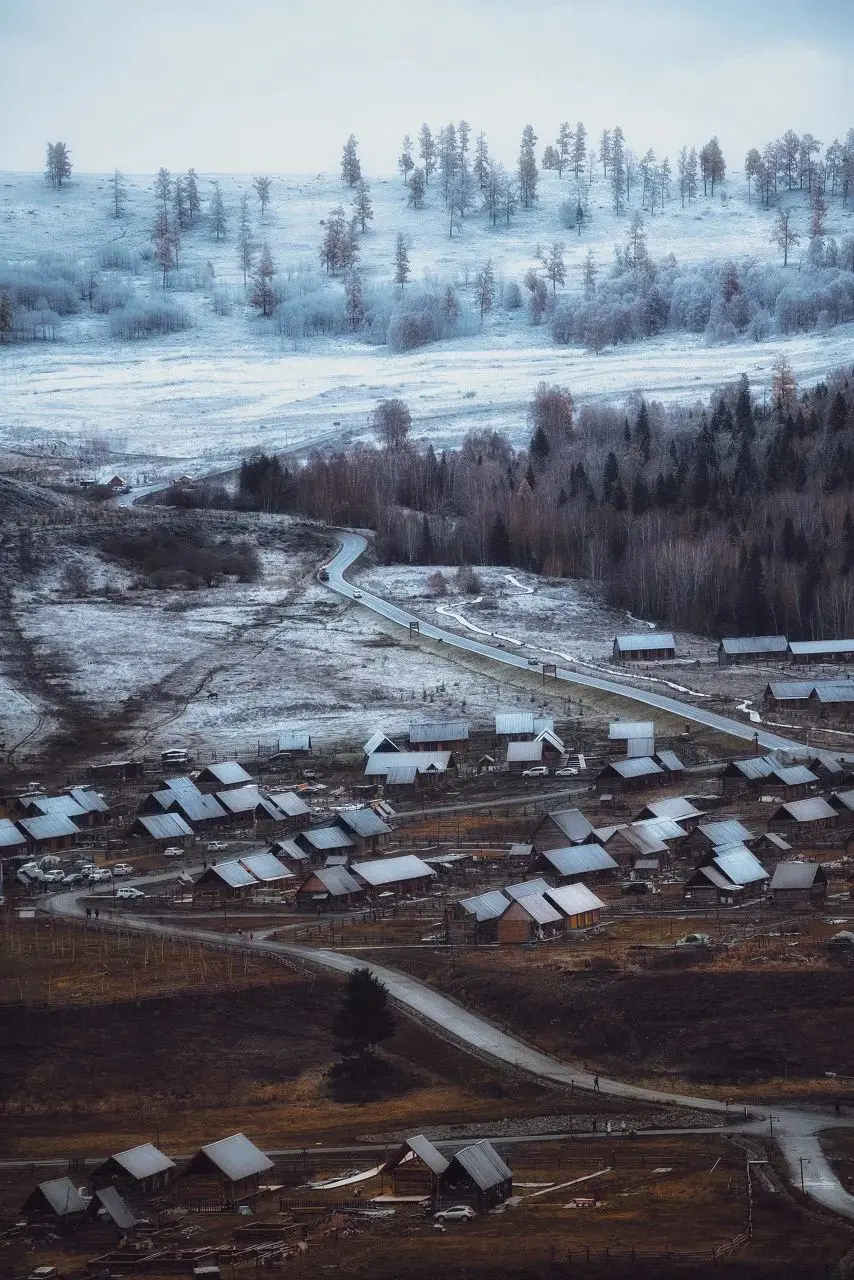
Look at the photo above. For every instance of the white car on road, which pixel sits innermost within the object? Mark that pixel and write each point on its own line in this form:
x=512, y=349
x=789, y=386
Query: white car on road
x=456, y=1213
x=122, y=869
x=173, y=851
x=127, y=891
x=538, y=771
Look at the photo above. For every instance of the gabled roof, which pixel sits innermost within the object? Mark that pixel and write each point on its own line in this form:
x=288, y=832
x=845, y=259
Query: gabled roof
x=829, y=694
x=88, y=800
x=740, y=866
x=652, y=640
x=663, y=828
x=621, y=730
x=644, y=840
x=795, y=875
x=195, y=806
x=10, y=836
x=49, y=826
x=295, y=740
x=144, y=1161
x=236, y=1157
x=539, y=909
x=579, y=859
x=542, y=723
x=246, y=800
x=845, y=800
x=265, y=867
x=669, y=761
x=483, y=1164
x=514, y=722
x=753, y=769
x=524, y=887
x=363, y=822
x=573, y=824
x=574, y=899
x=716, y=877
x=378, y=741
x=424, y=761
x=231, y=873
x=401, y=777
x=635, y=767
x=325, y=838
x=675, y=807
x=165, y=826
x=525, y=752
x=727, y=831
x=62, y=1196
x=826, y=762
x=57, y=806
x=380, y=871
x=228, y=773
x=805, y=648
x=790, y=690
x=289, y=803
x=439, y=731
x=337, y=881
x=815, y=809
x=418, y=1148
x=486, y=906
x=520, y=850
x=776, y=841
x=289, y=849
x=549, y=735
x=795, y=775
x=112, y=1203
x=755, y=644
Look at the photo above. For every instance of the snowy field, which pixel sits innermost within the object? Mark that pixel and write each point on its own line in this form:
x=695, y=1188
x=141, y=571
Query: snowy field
x=230, y=384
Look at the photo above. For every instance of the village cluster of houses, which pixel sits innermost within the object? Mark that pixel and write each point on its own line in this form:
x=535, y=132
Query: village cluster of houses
x=229, y=1171
x=659, y=646
x=36, y=823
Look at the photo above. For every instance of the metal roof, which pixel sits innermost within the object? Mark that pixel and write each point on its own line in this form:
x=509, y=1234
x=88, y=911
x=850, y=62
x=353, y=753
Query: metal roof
x=573, y=824
x=57, y=806
x=664, y=828
x=89, y=800
x=364, y=822
x=195, y=806
x=376, y=741
x=549, y=735
x=393, y=870
x=753, y=769
x=807, y=647
x=575, y=899
x=728, y=831
x=520, y=850
x=669, y=761
x=266, y=867
x=845, y=798
x=439, y=731
x=229, y=773
x=524, y=752
x=237, y=1157
x=540, y=911
x=541, y=723
x=524, y=887
x=514, y=722
x=483, y=1164
x=620, y=730
x=833, y=693
x=423, y=1148
x=232, y=872
x=62, y=1196
x=49, y=826
x=292, y=805
x=165, y=826
x=795, y=775
x=740, y=866
x=110, y=1200
x=246, y=800
x=652, y=640
x=424, y=761
x=289, y=849
x=823, y=760
x=579, y=859
x=643, y=840
x=717, y=878
x=790, y=690
x=295, y=740
x=143, y=1161
x=635, y=767
x=337, y=880
x=755, y=644
x=401, y=777
x=777, y=841
x=812, y=810
x=10, y=836
x=486, y=906
x=640, y=746
x=795, y=875
x=647, y=864
x=326, y=838
x=675, y=807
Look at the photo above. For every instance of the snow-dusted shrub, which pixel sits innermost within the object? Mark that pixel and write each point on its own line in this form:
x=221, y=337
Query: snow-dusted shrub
x=145, y=319
x=118, y=257
x=311, y=315
x=846, y=254
x=38, y=289
x=221, y=300
x=109, y=296
x=35, y=325
x=512, y=297
x=425, y=316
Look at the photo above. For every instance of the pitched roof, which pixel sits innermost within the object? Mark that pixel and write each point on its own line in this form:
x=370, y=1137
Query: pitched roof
x=401, y=777
x=382, y=871
x=740, y=866
x=89, y=800
x=195, y=806
x=483, y=1164
x=229, y=773
x=232, y=873
x=644, y=840
x=796, y=775
x=520, y=850
x=753, y=769
x=812, y=810
x=326, y=838
x=49, y=826
x=524, y=752
x=486, y=906
x=143, y=1161
x=423, y=1148
x=790, y=690
x=165, y=826
x=378, y=740
x=652, y=640
x=675, y=807
x=805, y=648
x=265, y=867
x=57, y=806
x=10, y=836
x=539, y=909
x=514, y=722
x=542, y=723
x=549, y=735
x=574, y=899
x=363, y=822
x=424, y=761
x=524, y=887
x=289, y=849
x=289, y=803
x=112, y=1203
x=579, y=859
x=664, y=828
x=439, y=731
x=621, y=730
x=246, y=800
x=237, y=1157
x=635, y=767
x=834, y=693
x=727, y=831
x=755, y=644
x=845, y=799
x=795, y=875
x=573, y=824
x=669, y=761
x=62, y=1196
x=337, y=881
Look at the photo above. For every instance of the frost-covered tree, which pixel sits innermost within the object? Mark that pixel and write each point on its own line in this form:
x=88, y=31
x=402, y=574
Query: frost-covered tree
x=551, y=159
x=164, y=245
x=263, y=297
x=261, y=186
x=636, y=255
x=605, y=151
x=539, y=295
x=528, y=174
x=218, y=220
x=417, y=188
x=617, y=162
x=427, y=151
x=480, y=168
x=790, y=147
x=784, y=387
x=554, y=265
x=561, y=150
x=401, y=260
x=338, y=249
x=712, y=165
x=484, y=288
x=57, y=164
x=463, y=142
x=579, y=149
x=118, y=193
x=752, y=168
x=245, y=245
x=179, y=202
x=647, y=167
x=818, y=213
x=807, y=168
x=363, y=210
x=355, y=310
x=508, y=201
x=5, y=316
x=351, y=170
x=194, y=203
x=405, y=163
x=692, y=174
x=449, y=156
x=391, y=420
x=163, y=188
x=784, y=234
x=589, y=273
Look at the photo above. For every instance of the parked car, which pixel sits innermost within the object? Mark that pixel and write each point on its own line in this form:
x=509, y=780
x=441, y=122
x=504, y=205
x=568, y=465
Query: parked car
x=122, y=869
x=456, y=1213
x=533, y=662
x=217, y=846
x=173, y=851
x=97, y=874
x=323, y=575
x=568, y=771
x=635, y=887
x=538, y=771
x=74, y=877
x=54, y=876
x=128, y=891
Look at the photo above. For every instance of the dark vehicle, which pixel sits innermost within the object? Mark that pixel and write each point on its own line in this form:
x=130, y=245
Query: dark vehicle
x=635, y=887
x=323, y=575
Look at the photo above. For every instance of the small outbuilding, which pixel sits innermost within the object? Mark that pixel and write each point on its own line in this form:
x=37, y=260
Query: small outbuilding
x=476, y=1175
x=414, y=1169
x=798, y=884
x=560, y=826
x=577, y=862
x=804, y=818
x=57, y=1199
x=222, y=776
x=232, y=1167
x=737, y=649
x=631, y=774
x=579, y=905
x=651, y=647
x=329, y=889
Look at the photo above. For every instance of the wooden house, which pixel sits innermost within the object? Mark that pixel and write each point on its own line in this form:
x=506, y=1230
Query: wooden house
x=579, y=905
x=631, y=774
x=561, y=827
x=799, y=884
x=414, y=1169
x=577, y=862
x=804, y=819
x=230, y=1168
x=476, y=1175
x=141, y=1170
x=653, y=646
x=395, y=876
x=329, y=889
x=56, y=1200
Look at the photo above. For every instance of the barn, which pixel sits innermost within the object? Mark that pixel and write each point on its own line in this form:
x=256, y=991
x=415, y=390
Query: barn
x=736, y=649
x=833, y=699
x=476, y=1175
x=806, y=651
x=651, y=647
x=789, y=695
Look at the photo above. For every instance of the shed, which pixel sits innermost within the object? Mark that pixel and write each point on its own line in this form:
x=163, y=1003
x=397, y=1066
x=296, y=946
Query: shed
x=228, y=879
x=655, y=645
x=106, y=1202
x=247, y=803
x=162, y=826
x=414, y=1169
x=143, y=1169
x=404, y=874
x=792, y=694
x=833, y=698
x=222, y=776
x=233, y=1166
x=798, y=884
x=292, y=807
x=438, y=735
x=528, y=917
x=578, y=904
x=770, y=843
x=480, y=915
x=478, y=1176
x=366, y=829
x=736, y=649
x=58, y=1198
x=634, y=772
x=805, y=651
x=742, y=775
x=713, y=835
x=588, y=861
x=329, y=888
x=561, y=825
x=297, y=742
x=669, y=762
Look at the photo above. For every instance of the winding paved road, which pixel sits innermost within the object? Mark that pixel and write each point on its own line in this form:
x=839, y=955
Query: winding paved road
x=352, y=547
x=796, y=1131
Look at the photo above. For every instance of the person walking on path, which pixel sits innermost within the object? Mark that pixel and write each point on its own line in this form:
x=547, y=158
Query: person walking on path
x=596, y=1084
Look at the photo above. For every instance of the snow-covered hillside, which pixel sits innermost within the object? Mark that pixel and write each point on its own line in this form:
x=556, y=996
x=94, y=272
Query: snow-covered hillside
x=231, y=382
